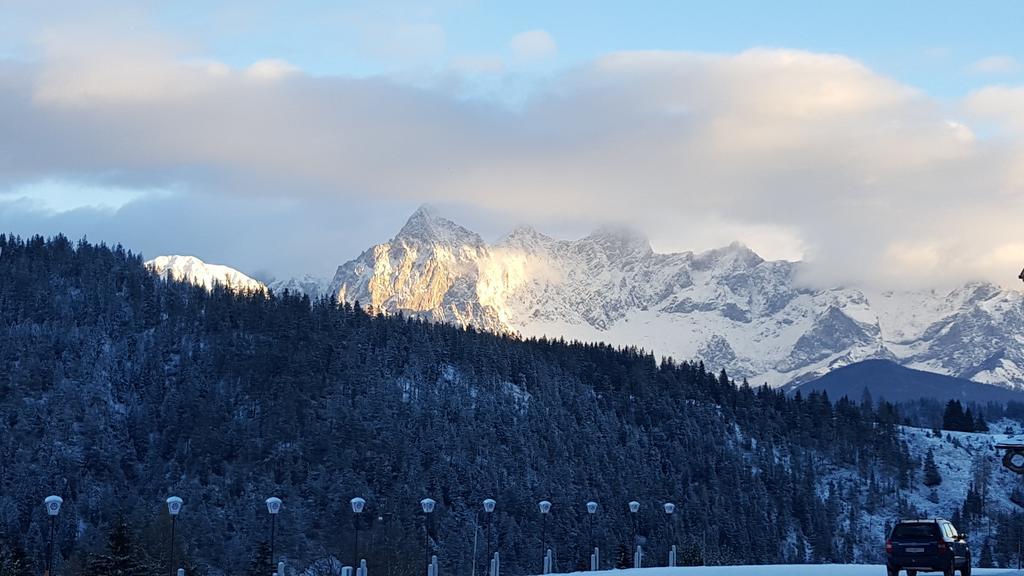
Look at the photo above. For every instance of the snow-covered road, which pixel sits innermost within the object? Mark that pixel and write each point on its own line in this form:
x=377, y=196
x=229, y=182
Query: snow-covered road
x=782, y=570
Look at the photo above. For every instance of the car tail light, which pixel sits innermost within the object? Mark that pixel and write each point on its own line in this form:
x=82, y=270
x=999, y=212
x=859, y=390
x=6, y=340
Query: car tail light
x=888, y=546
x=942, y=546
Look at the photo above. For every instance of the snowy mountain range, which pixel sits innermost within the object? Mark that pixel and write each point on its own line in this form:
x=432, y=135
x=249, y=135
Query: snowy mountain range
x=728, y=306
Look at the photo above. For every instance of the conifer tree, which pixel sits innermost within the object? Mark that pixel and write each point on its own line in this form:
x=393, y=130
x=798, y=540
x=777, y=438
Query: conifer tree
x=122, y=557
x=986, y=560
x=260, y=560
x=980, y=425
x=932, y=477
x=13, y=560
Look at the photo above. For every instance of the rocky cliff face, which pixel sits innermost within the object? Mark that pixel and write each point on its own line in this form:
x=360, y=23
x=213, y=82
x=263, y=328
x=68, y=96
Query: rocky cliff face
x=430, y=269
x=726, y=306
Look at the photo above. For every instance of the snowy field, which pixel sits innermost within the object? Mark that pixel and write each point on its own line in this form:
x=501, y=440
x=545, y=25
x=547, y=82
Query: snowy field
x=782, y=570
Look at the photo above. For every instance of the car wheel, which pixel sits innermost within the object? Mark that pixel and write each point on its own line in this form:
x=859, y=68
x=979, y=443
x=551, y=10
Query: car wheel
x=949, y=570
x=892, y=571
x=966, y=570
x=911, y=572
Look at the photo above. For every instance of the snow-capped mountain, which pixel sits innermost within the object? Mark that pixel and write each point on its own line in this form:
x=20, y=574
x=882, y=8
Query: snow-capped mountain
x=194, y=270
x=727, y=306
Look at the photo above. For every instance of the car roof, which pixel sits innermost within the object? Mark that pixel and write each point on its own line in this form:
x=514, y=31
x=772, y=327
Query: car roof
x=923, y=521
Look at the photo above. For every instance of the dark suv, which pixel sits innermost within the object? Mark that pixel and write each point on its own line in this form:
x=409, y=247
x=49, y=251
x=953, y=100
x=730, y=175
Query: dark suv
x=927, y=546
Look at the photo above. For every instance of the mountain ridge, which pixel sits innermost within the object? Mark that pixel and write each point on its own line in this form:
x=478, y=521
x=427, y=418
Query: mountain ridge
x=887, y=379
x=727, y=306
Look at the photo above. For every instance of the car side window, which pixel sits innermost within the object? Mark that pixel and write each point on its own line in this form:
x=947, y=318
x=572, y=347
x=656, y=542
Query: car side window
x=952, y=531
x=948, y=530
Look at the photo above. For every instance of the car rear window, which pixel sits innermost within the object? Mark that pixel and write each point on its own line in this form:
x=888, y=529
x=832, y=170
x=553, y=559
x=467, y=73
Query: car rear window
x=915, y=531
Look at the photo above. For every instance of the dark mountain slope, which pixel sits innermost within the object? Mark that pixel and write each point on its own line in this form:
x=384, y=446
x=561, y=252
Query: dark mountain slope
x=895, y=383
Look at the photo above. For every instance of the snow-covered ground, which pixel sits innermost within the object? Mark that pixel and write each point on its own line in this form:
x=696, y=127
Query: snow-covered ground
x=960, y=458
x=956, y=454
x=781, y=570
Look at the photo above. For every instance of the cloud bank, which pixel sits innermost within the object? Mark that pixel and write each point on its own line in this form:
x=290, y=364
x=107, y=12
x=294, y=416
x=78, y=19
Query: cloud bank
x=797, y=154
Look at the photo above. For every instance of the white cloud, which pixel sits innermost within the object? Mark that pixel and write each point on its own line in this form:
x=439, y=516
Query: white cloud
x=999, y=64
x=532, y=45
x=270, y=69
x=788, y=151
x=86, y=65
x=1001, y=105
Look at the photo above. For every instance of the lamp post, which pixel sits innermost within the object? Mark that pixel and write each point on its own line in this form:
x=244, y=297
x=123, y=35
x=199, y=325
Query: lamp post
x=427, y=504
x=358, y=504
x=595, y=559
x=634, y=507
x=173, y=508
x=669, y=509
x=52, y=504
x=545, y=508
x=273, y=506
x=489, y=505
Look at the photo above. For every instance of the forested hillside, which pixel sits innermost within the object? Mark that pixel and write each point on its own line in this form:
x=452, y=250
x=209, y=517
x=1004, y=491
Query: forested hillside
x=118, y=389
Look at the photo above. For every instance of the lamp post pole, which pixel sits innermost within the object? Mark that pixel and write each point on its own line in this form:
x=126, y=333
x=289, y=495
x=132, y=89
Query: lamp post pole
x=489, y=505
x=545, y=508
x=427, y=504
x=358, y=504
x=634, y=507
x=173, y=508
x=273, y=506
x=595, y=558
x=670, y=508
x=52, y=504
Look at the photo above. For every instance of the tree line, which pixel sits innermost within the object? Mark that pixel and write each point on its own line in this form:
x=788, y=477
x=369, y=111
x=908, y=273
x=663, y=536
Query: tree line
x=118, y=389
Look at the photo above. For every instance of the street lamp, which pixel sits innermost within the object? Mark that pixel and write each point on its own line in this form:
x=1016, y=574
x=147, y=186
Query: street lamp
x=427, y=504
x=273, y=506
x=634, y=507
x=669, y=509
x=357, y=508
x=595, y=558
x=52, y=504
x=545, y=508
x=173, y=508
x=489, y=505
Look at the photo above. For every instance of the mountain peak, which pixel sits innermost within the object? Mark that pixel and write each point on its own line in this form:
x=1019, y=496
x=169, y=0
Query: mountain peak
x=194, y=270
x=620, y=241
x=426, y=226
x=735, y=253
x=525, y=237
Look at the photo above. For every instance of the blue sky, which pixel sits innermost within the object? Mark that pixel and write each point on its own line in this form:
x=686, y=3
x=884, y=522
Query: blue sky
x=882, y=141
x=939, y=46
x=931, y=44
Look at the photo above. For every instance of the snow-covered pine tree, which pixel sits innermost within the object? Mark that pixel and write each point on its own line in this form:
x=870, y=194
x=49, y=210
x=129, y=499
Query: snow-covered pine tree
x=932, y=477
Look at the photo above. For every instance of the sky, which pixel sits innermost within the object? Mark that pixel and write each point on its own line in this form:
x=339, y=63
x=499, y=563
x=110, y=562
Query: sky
x=883, y=142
